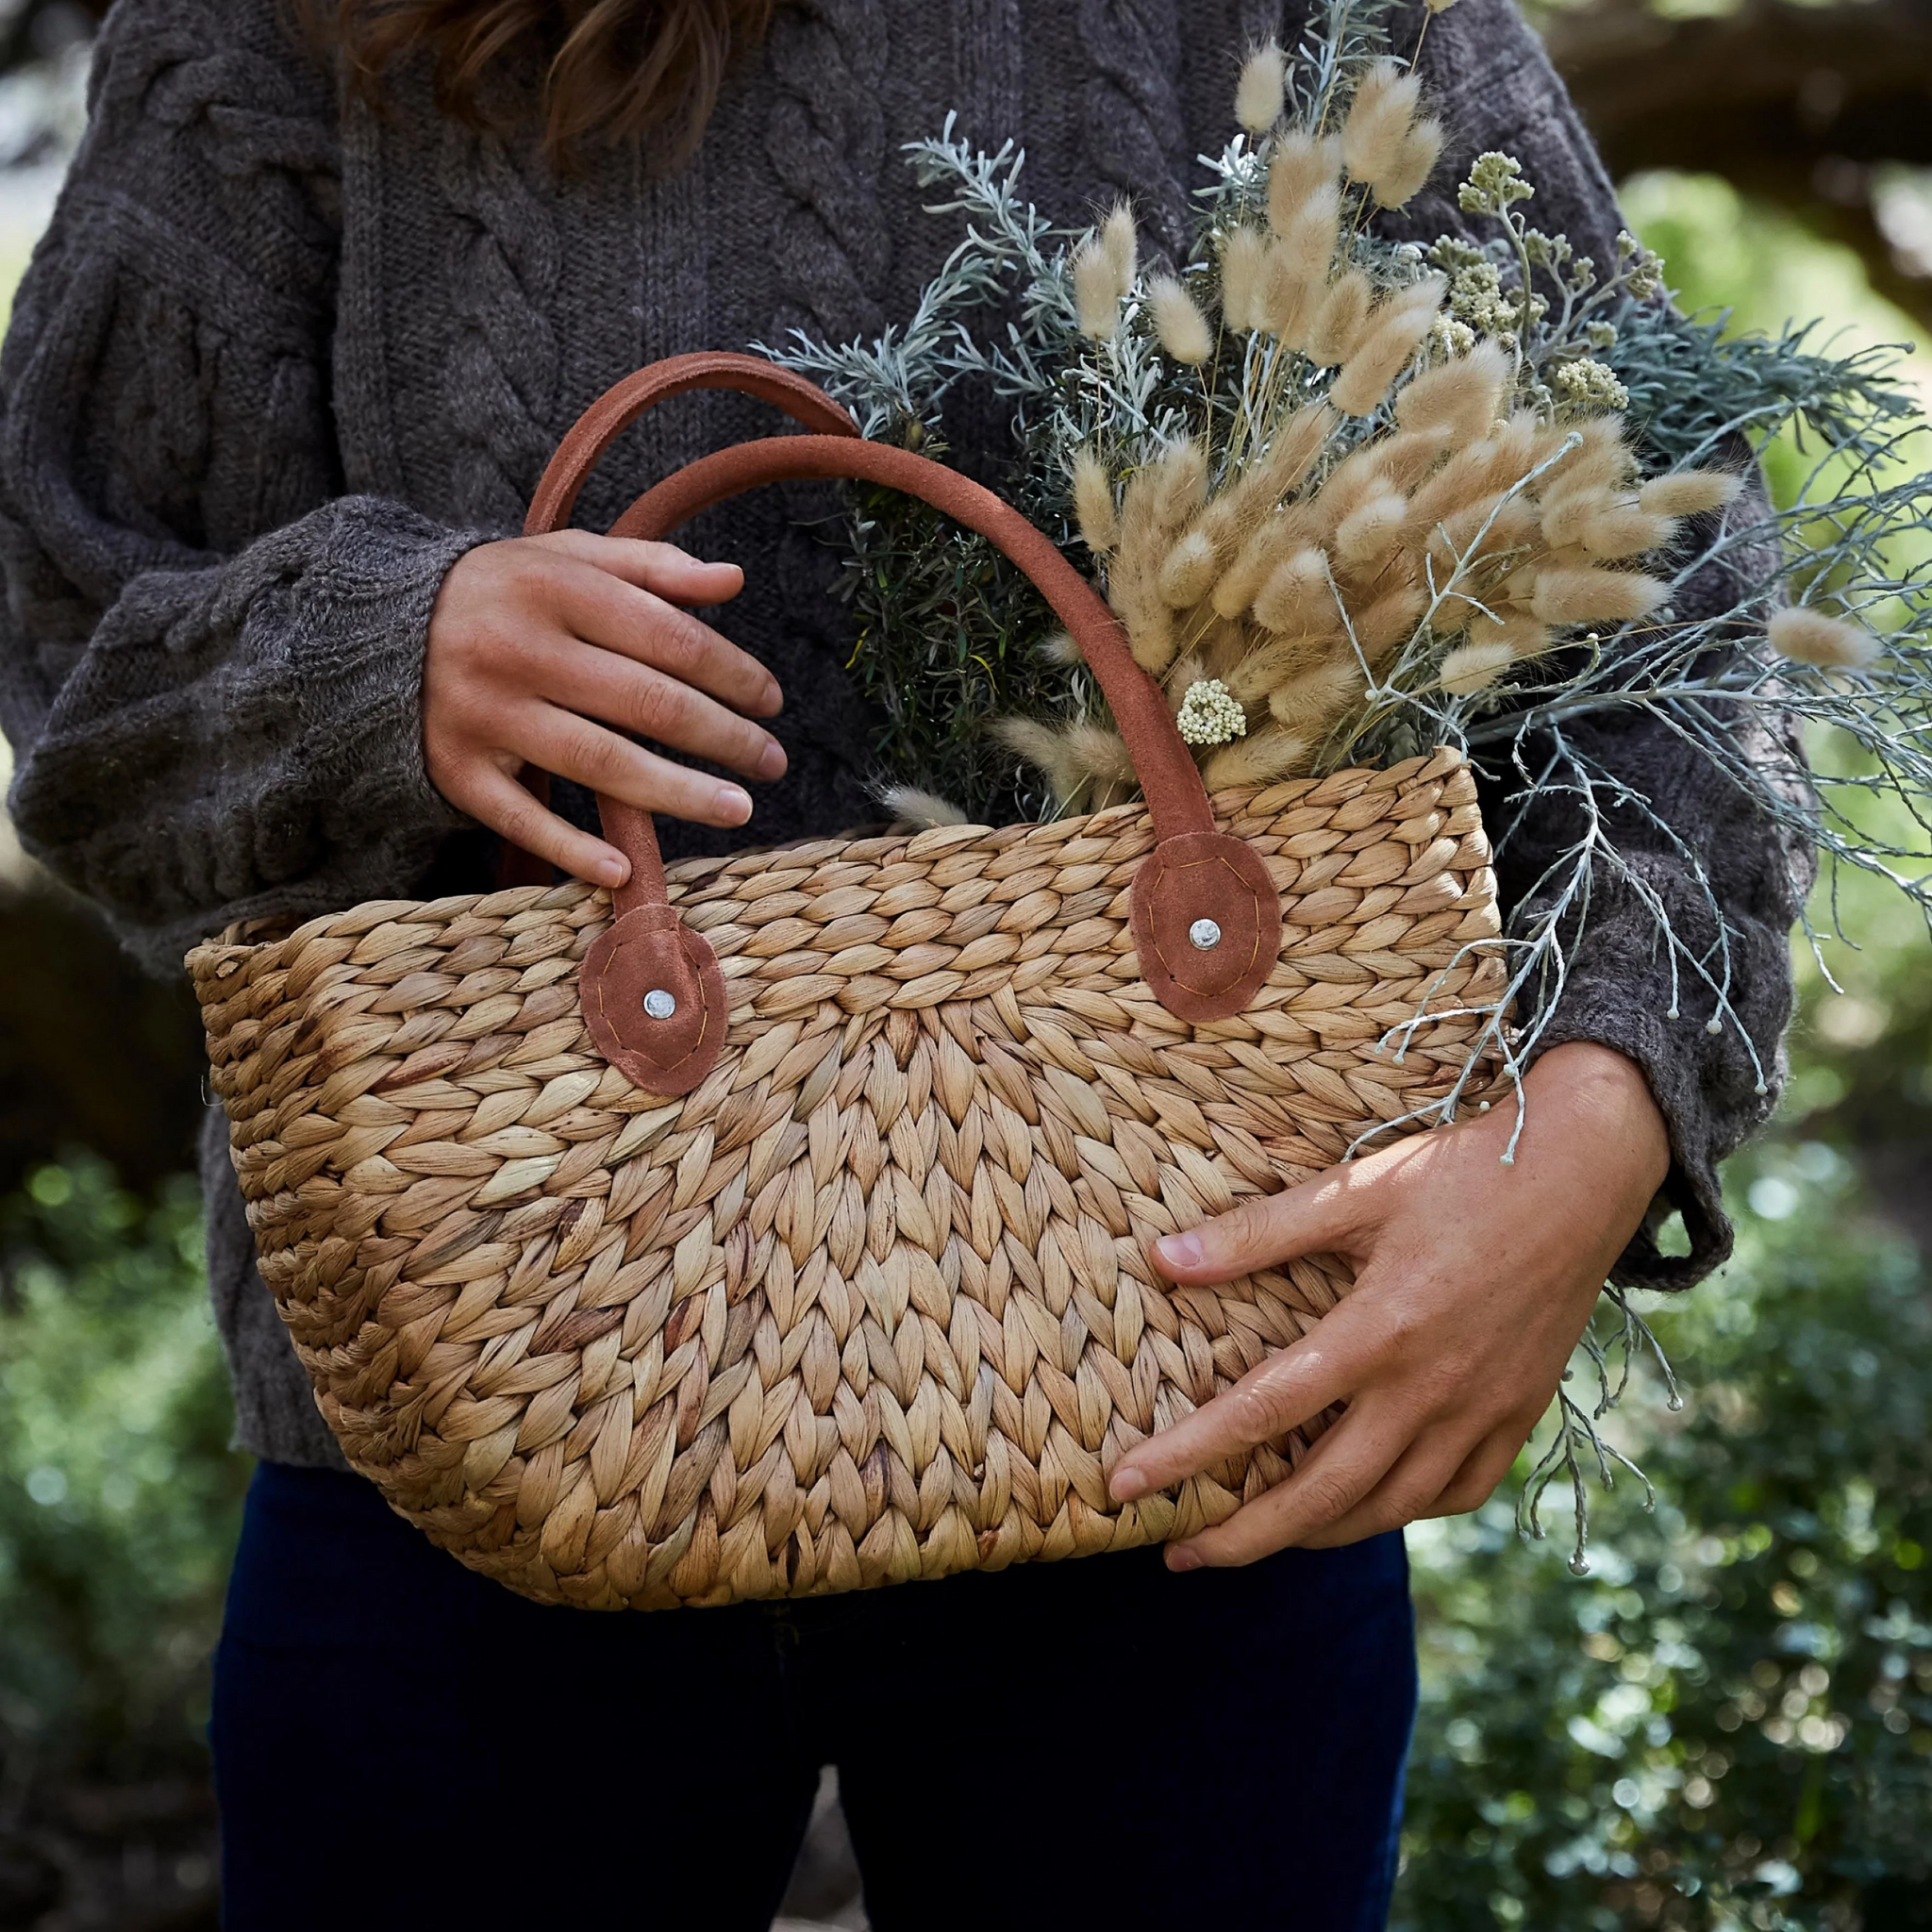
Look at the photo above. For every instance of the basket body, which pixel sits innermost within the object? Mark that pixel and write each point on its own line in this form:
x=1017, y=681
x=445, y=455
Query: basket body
x=872, y=1302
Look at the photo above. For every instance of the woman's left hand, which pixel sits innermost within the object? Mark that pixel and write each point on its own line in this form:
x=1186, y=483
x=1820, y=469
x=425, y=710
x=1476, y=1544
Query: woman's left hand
x=1473, y=1283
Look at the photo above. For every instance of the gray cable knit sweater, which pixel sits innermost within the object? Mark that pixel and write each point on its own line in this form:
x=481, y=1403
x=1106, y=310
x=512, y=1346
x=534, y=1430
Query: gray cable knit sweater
x=279, y=361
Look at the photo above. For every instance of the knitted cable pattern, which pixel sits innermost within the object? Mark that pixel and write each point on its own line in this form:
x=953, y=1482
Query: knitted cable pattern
x=248, y=127
x=826, y=141
x=504, y=267
x=1135, y=133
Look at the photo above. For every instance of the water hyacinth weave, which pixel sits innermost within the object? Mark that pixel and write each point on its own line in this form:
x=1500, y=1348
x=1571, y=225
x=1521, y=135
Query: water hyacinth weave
x=874, y=1303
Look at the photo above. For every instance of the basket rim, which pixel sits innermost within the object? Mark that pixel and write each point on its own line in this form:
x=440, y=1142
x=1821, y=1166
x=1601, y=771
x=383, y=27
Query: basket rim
x=1336, y=787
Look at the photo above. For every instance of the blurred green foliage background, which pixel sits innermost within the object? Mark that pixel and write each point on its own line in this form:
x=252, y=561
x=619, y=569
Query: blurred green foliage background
x=1727, y=1724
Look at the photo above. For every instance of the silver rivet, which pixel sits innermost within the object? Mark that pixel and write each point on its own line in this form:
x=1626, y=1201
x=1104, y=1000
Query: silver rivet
x=659, y=1003
x=1205, y=934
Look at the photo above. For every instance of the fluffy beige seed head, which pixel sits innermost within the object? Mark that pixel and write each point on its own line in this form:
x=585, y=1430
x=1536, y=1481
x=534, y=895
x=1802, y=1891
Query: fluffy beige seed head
x=1189, y=671
x=1150, y=632
x=907, y=804
x=1059, y=647
x=1244, y=278
x=1297, y=599
x=1810, y=636
x=1300, y=262
x=1098, y=753
x=1472, y=668
x=1311, y=701
x=1602, y=456
x=1291, y=454
x=1159, y=504
x=1188, y=572
x=1567, y=512
x=1161, y=500
x=1410, y=455
x=1476, y=470
x=1121, y=243
x=1303, y=166
x=1391, y=341
x=1522, y=634
x=1391, y=620
x=1481, y=530
x=1178, y=322
x=1276, y=536
x=1625, y=529
x=1222, y=646
x=1349, y=485
x=1262, y=91
x=1594, y=596
x=1096, y=293
x=1690, y=494
x=1289, y=298
x=1093, y=506
x=1265, y=669
x=1262, y=757
x=1176, y=483
x=1461, y=397
x=1412, y=165
x=1378, y=124
x=1370, y=533
x=1337, y=329
x=1043, y=747
x=1218, y=522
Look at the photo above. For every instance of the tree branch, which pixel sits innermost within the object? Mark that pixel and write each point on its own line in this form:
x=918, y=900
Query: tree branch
x=1793, y=104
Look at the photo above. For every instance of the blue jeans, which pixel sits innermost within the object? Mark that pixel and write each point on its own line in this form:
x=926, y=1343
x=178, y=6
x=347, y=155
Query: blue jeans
x=400, y=1745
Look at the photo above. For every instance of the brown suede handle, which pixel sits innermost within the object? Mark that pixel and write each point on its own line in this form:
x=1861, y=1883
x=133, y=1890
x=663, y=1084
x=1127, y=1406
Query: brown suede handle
x=1176, y=800
x=1204, y=879
x=620, y=404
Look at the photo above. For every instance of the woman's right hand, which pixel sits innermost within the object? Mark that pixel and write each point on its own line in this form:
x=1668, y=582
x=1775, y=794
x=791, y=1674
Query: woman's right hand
x=540, y=645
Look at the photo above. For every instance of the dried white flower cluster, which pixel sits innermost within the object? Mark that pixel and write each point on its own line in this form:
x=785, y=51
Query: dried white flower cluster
x=1210, y=713
x=1477, y=297
x=1588, y=384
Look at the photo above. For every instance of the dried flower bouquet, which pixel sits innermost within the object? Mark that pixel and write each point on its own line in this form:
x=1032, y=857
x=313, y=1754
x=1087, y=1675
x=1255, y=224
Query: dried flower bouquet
x=1352, y=499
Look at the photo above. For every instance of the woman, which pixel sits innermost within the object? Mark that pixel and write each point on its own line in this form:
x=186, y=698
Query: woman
x=277, y=387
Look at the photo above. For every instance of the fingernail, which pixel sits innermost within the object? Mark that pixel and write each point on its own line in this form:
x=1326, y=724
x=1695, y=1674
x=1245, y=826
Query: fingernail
x=773, y=698
x=772, y=764
x=1127, y=1484
x=609, y=872
x=1180, y=1250
x=734, y=806
x=1181, y=1557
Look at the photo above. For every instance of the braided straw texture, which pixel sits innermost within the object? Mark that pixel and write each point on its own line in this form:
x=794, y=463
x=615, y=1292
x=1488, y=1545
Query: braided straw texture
x=874, y=1303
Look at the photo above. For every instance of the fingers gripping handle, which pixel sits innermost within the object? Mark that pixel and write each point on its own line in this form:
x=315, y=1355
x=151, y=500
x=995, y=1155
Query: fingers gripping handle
x=1205, y=917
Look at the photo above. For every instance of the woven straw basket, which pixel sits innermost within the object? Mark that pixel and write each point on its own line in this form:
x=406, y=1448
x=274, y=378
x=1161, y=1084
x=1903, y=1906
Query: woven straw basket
x=835, y=1274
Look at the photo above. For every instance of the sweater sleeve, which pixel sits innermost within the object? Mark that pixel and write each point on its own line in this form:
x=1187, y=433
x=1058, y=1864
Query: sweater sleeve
x=210, y=662
x=1714, y=1068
